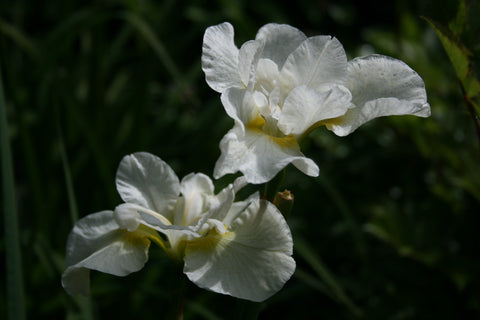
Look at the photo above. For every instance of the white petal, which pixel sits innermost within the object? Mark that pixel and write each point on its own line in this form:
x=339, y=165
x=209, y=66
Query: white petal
x=239, y=183
x=238, y=207
x=220, y=58
x=129, y=216
x=266, y=76
x=196, y=189
x=239, y=105
x=251, y=261
x=259, y=156
x=304, y=107
x=97, y=243
x=222, y=202
x=247, y=59
x=279, y=41
x=381, y=86
x=146, y=180
x=196, y=183
x=316, y=61
x=133, y=216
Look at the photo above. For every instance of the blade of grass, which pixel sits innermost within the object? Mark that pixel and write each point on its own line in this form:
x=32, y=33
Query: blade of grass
x=313, y=282
x=72, y=202
x=19, y=38
x=84, y=303
x=144, y=29
x=15, y=289
x=356, y=230
x=306, y=252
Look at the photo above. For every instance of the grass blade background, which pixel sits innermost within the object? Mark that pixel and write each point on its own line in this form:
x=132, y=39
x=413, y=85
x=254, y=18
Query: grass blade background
x=125, y=76
x=15, y=288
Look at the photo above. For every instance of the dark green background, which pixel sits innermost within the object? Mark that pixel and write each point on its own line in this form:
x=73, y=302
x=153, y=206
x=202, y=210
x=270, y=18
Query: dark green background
x=393, y=217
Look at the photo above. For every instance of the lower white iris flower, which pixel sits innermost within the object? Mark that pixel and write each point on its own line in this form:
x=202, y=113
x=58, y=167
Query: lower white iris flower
x=282, y=85
x=241, y=249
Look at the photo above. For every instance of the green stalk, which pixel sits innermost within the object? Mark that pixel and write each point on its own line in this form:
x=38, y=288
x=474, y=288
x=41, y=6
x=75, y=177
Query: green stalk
x=15, y=294
x=273, y=186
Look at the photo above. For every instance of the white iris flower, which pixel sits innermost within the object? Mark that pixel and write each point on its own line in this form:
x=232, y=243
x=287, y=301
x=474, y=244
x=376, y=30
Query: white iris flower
x=282, y=85
x=241, y=249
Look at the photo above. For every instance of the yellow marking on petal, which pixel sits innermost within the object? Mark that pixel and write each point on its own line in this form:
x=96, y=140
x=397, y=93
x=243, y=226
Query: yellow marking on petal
x=143, y=235
x=286, y=142
x=331, y=121
x=212, y=241
x=289, y=141
x=256, y=124
x=136, y=239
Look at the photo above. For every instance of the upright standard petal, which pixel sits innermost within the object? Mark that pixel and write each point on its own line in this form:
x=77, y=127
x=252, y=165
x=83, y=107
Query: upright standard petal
x=238, y=105
x=259, y=156
x=146, y=180
x=251, y=260
x=97, y=243
x=220, y=58
x=317, y=105
x=197, y=190
x=318, y=60
x=279, y=40
x=381, y=86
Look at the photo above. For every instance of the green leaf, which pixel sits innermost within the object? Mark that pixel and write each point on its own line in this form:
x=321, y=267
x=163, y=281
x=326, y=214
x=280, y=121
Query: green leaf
x=459, y=56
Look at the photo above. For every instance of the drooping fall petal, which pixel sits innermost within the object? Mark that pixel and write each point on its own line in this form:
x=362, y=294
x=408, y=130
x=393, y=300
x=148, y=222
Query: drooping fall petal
x=251, y=260
x=381, y=86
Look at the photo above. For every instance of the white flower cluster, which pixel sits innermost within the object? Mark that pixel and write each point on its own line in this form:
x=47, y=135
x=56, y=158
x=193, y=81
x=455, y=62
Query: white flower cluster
x=282, y=85
x=238, y=248
x=277, y=88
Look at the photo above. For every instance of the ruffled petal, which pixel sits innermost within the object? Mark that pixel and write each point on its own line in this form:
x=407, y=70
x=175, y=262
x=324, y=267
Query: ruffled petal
x=197, y=191
x=247, y=59
x=239, y=106
x=220, y=58
x=133, y=216
x=221, y=203
x=266, y=76
x=279, y=40
x=252, y=260
x=129, y=216
x=305, y=107
x=318, y=60
x=259, y=156
x=146, y=180
x=97, y=243
x=381, y=86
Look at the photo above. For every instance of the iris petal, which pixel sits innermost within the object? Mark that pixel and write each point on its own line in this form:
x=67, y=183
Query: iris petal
x=220, y=58
x=252, y=260
x=381, y=86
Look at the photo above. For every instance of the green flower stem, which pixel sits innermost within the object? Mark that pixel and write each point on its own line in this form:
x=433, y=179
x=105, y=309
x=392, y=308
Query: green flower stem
x=181, y=298
x=271, y=188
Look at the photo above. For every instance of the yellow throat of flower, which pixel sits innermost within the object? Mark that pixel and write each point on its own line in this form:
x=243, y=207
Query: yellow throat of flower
x=257, y=125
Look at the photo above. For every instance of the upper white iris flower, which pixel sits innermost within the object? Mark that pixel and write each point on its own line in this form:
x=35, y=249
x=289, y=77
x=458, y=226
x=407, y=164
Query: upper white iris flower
x=242, y=248
x=282, y=85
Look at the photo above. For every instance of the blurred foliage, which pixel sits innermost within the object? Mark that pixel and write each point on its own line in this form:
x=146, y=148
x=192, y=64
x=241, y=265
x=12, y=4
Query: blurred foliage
x=460, y=56
x=389, y=229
